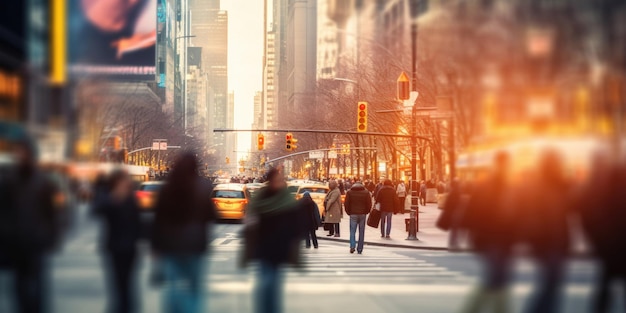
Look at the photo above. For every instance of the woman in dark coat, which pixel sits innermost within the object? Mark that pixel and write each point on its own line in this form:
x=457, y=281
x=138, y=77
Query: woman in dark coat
x=179, y=239
x=312, y=219
x=273, y=233
x=120, y=214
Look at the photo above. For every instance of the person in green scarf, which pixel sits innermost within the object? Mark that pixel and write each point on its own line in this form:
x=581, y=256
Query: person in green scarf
x=274, y=229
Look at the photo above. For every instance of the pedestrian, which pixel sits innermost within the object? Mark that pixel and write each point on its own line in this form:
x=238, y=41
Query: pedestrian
x=179, y=239
x=358, y=205
x=423, y=191
x=401, y=192
x=30, y=226
x=341, y=186
x=121, y=231
x=389, y=204
x=312, y=219
x=332, y=209
x=547, y=236
x=273, y=231
x=452, y=213
x=603, y=215
x=489, y=222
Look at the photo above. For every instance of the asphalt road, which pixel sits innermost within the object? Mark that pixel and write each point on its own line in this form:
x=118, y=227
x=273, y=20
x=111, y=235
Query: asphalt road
x=380, y=280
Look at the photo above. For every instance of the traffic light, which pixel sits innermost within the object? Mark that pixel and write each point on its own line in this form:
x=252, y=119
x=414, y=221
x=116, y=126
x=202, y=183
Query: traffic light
x=361, y=125
x=288, y=141
x=260, y=141
x=404, y=87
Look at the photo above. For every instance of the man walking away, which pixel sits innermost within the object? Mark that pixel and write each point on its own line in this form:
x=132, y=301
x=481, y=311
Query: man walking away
x=358, y=204
x=388, y=201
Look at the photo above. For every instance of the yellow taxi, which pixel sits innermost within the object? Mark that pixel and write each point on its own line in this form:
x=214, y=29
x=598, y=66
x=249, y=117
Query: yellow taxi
x=231, y=200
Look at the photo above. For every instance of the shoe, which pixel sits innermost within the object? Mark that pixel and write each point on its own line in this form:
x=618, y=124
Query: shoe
x=308, y=247
x=360, y=252
x=382, y=236
x=336, y=235
x=388, y=237
x=315, y=247
x=351, y=250
x=329, y=235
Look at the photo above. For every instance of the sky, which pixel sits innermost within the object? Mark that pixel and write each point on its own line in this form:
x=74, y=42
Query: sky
x=245, y=53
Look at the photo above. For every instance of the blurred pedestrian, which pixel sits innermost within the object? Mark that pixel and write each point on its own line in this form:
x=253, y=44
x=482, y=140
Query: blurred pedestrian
x=489, y=221
x=312, y=219
x=121, y=227
x=602, y=206
x=401, y=193
x=358, y=205
x=452, y=213
x=273, y=231
x=179, y=238
x=332, y=209
x=341, y=186
x=389, y=204
x=423, y=191
x=543, y=225
x=32, y=226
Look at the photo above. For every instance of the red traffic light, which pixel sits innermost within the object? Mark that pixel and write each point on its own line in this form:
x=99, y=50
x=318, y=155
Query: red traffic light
x=362, y=107
x=362, y=117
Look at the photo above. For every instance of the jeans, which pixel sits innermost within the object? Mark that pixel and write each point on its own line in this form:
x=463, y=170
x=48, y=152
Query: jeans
x=311, y=236
x=547, y=296
x=269, y=288
x=385, y=219
x=357, y=220
x=184, y=283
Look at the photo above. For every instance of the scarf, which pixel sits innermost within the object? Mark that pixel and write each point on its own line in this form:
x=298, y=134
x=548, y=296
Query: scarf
x=277, y=203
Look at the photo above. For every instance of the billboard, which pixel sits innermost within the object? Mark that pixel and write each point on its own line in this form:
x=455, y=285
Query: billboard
x=113, y=39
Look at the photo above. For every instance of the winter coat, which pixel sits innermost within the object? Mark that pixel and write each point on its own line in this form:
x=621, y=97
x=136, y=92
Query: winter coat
x=274, y=228
x=312, y=219
x=121, y=224
x=332, y=207
x=401, y=190
x=358, y=200
x=188, y=237
x=388, y=200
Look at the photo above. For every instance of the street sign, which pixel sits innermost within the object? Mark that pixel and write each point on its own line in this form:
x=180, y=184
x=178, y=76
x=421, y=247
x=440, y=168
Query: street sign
x=155, y=145
x=332, y=154
x=316, y=154
x=163, y=146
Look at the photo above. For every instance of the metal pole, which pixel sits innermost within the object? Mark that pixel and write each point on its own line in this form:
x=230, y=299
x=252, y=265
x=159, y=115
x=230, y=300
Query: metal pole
x=451, y=144
x=413, y=217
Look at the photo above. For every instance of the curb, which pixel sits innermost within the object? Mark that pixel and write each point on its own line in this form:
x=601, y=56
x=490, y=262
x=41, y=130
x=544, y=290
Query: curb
x=577, y=255
x=391, y=245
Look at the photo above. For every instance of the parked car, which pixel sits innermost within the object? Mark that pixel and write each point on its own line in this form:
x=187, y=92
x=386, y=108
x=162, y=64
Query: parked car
x=231, y=200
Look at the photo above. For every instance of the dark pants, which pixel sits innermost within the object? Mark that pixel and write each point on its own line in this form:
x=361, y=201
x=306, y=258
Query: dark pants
x=122, y=269
x=423, y=199
x=402, y=204
x=334, y=229
x=30, y=282
x=611, y=272
x=311, y=236
x=548, y=294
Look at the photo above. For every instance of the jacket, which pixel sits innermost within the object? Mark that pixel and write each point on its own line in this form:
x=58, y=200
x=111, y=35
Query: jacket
x=121, y=224
x=388, y=200
x=358, y=200
x=401, y=190
x=190, y=236
x=274, y=228
x=312, y=219
x=332, y=207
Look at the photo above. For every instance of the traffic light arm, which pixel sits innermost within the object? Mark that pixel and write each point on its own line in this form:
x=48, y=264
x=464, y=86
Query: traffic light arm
x=319, y=131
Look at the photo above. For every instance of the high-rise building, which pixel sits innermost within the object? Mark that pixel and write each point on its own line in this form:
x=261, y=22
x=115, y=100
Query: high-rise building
x=209, y=26
x=230, y=139
x=327, y=44
x=299, y=65
x=257, y=118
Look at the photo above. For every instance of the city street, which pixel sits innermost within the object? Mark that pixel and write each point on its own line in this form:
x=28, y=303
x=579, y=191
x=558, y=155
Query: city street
x=382, y=279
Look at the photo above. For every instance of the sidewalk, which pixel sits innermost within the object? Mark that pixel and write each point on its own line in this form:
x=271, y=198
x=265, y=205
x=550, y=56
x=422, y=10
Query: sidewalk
x=428, y=235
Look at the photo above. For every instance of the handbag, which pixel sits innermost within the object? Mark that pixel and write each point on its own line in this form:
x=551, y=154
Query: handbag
x=374, y=218
x=328, y=226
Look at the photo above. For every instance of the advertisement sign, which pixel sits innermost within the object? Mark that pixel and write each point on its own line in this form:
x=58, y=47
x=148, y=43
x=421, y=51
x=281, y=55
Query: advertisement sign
x=113, y=39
